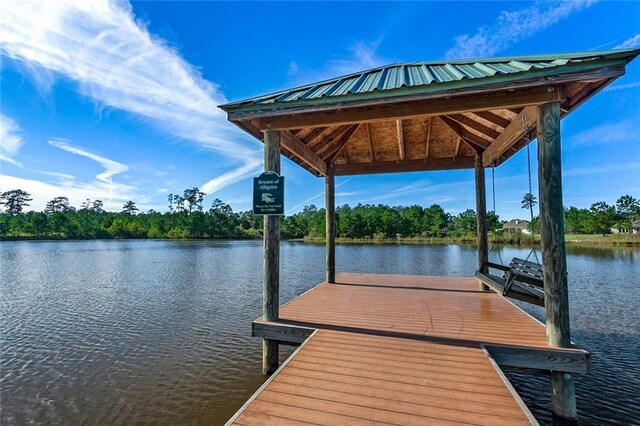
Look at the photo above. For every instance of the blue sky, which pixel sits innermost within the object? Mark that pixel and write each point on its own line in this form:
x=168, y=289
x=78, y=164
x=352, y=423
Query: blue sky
x=115, y=101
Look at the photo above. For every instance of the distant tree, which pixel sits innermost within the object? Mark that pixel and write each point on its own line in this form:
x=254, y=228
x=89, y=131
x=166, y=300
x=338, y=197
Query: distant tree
x=193, y=197
x=434, y=221
x=603, y=217
x=86, y=204
x=97, y=206
x=493, y=221
x=129, y=208
x=529, y=201
x=628, y=206
x=58, y=204
x=177, y=205
x=15, y=200
x=465, y=222
x=170, y=199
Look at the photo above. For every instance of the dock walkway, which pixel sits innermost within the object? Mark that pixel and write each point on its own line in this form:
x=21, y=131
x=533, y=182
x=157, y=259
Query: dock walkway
x=404, y=350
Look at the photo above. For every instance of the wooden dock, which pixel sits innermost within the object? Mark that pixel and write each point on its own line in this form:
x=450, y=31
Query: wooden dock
x=397, y=349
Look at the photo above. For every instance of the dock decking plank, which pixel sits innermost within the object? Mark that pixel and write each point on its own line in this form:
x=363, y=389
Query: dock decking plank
x=399, y=350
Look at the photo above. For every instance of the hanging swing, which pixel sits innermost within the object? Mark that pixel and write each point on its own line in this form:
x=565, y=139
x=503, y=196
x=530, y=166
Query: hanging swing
x=522, y=279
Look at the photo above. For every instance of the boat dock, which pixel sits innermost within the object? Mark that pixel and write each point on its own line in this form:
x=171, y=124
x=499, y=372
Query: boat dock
x=400, y=349
x=422, y=116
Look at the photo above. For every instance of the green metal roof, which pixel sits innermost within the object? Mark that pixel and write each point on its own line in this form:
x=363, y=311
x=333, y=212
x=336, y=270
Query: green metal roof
x=421, y=77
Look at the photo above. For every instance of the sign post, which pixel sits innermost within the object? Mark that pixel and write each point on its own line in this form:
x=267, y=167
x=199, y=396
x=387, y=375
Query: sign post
x=268, y=194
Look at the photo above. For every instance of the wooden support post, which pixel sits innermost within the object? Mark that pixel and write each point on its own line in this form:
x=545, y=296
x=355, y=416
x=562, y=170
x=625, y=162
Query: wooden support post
x=330, y=209
x=554, y=255
x=481, y=215
x=271, y=267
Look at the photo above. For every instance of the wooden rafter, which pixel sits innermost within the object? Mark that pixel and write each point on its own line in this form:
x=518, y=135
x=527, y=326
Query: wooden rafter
x=313, y=134
x=474, y=141
x=329, y=152
x=328, y=138
x=426, y=145
x=455, y=153
x=371, y=156
x=400, y=139
x=492, y=117
x=475, y=125
x=300, y=150
x=511, y=135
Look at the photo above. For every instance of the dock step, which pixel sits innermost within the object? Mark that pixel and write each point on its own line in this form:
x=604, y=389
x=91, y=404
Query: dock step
x=348, y=378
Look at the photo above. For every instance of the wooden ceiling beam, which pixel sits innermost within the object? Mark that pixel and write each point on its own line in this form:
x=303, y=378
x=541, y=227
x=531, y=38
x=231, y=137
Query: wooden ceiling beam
x=334, y=134
x=302, y=151
x=368, y=130
x=492, y=117
x=474, y=141
x=511, y=135
x=458, y=142
x=426, y=144
x=403, y=166
x=329, y=151
x=475, y=125
x=313, y=135
x=404, y=110
x=400, y=139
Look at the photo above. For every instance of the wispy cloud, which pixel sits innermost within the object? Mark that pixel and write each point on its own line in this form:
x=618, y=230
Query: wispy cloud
x=513, y=26
x=629, y=43
x=10, y=140
x=606, y=133
x=362, y=55
x=304, y=203
x=622, y=87
x=113, y=196
x=118, y=63
x=111, y=167
x=602, y=168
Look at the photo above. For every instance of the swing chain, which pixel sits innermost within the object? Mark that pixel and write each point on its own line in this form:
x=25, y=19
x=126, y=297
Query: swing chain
x=527, y=133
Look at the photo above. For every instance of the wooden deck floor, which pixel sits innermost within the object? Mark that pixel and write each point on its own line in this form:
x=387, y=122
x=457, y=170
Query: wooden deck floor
x=444, y=307
x=396, y=349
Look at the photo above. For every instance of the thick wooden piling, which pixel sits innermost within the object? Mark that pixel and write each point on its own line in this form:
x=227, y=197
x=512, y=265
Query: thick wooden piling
x=271, y=267
x=481, y=215
x=553, y=253
x=330, y=208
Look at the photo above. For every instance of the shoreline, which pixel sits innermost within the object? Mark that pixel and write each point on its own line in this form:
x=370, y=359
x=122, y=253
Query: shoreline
x=611, y=241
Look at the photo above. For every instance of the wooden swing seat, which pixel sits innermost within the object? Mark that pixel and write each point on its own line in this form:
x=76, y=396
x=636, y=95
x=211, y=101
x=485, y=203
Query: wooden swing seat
x=522, y=280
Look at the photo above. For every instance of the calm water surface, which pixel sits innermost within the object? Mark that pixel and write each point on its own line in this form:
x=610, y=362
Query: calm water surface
x=120, y=332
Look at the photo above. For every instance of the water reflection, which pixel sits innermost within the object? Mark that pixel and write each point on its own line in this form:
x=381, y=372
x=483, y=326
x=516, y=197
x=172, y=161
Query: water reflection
x=159, y=332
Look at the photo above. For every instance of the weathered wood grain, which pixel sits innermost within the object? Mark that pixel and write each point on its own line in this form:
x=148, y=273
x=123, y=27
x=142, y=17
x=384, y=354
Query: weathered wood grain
x=284, y=333
x=481, y=218
x=271, y=262
x=553, y=252
x=330, y=216
x=551, y=359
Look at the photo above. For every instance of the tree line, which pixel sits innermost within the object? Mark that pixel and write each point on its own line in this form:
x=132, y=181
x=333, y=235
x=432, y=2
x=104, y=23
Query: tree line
x=187, y=218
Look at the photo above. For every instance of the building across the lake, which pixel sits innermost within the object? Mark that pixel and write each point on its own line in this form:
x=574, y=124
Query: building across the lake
x=517, y=225
x=629, y=228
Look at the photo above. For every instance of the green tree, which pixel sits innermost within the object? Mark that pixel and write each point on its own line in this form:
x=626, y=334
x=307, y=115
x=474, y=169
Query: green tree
x=465, y=223
x=193, y=197
x=15, y=200
x=529, y=201
x=603, y=217
x=129, y=208
x=628, y=206
x=58, y=204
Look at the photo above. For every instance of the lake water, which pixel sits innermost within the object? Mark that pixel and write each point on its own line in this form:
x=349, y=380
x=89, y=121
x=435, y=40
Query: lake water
x=121, y=332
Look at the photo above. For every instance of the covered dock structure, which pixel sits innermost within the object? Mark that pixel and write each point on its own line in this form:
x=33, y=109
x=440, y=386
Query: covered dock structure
x=410, y=340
